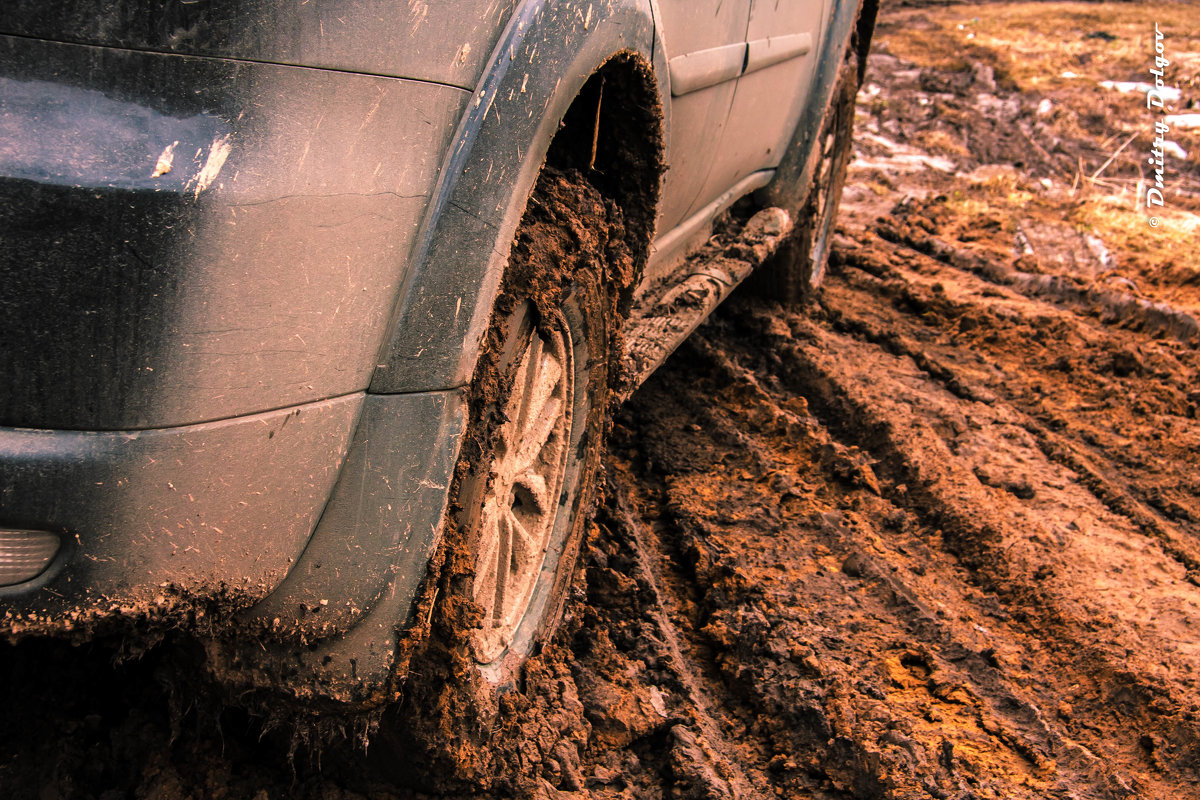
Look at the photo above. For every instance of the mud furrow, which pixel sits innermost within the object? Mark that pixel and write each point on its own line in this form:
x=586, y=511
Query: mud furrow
x=976, y=382
x=897, y=604
x=730, y=781
x=983, y=379
x=984, y=530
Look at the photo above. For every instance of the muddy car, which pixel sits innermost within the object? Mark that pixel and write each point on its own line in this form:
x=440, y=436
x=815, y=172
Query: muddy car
x=314, y=313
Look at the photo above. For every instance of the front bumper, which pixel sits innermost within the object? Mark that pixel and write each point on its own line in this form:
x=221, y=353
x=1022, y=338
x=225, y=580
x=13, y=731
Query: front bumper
x=157, y=523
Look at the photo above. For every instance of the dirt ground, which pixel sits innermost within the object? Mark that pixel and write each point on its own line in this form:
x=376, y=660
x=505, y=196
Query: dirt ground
x=936, y=535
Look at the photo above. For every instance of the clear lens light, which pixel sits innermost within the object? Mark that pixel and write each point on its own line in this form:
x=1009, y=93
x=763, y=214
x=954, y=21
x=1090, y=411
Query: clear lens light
x=25, y=554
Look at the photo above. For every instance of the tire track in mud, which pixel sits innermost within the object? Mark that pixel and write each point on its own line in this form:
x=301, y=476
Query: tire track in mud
x=1131, y=345
x=923, y=441
x=1090, y=455
x=1151, y=685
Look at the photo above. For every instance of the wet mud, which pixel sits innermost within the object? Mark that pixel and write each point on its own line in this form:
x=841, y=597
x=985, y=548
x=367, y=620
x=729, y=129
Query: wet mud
x=933, y=535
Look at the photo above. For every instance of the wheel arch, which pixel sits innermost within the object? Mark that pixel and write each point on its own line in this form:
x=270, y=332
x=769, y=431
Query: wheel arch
x=537, y=90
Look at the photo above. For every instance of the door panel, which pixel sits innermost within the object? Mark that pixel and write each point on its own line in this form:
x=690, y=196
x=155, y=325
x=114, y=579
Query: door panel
x=771, y=93
x=704, y=42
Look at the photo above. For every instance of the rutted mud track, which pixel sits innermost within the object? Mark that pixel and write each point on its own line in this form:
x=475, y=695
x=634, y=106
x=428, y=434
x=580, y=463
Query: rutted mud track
x=920, y=580
x=936, y=535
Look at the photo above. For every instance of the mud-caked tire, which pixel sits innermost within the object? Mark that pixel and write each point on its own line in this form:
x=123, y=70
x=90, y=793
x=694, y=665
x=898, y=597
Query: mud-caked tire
x=525, y=486
x=522, y=505
x=796, y=270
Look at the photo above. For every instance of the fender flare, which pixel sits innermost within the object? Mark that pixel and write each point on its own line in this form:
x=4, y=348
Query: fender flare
x=545, y=56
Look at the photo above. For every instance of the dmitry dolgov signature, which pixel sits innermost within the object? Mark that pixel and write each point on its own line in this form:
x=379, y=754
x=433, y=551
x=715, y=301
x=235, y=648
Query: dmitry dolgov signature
x=1155, y=101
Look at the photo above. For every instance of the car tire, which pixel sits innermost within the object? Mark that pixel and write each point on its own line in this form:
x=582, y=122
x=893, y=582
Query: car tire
x=523, y=507
x=798, y=267
x=560, y=304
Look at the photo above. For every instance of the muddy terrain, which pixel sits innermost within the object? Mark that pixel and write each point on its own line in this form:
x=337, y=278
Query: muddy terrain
x=934, y=535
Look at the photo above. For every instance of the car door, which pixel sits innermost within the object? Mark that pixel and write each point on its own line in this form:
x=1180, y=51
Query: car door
x=782, y=38
x=704, y=44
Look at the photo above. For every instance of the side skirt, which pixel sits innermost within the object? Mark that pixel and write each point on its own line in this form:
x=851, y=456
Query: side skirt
x=666, y=313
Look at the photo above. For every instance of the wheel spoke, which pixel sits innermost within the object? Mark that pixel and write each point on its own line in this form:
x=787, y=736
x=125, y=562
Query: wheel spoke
x=526, y=382
x=485, y=564
x=547, y=372
x=538, y=434
x=509, y=434
x=503, y=563
x=523, y=545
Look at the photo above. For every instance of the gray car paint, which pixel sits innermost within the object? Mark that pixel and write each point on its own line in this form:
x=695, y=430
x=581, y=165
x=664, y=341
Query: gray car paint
x=541, y=60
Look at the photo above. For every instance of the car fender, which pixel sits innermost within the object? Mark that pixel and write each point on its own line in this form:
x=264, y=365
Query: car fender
x=543, y=59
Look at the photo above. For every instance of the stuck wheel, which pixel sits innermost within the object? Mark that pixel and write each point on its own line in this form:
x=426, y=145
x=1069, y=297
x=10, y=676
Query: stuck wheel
x=525, y=484
x=540, y=400
x=799, y=266
x=523, y=503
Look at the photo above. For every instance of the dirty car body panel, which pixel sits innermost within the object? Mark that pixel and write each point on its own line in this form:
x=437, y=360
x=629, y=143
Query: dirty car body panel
x=249, y=252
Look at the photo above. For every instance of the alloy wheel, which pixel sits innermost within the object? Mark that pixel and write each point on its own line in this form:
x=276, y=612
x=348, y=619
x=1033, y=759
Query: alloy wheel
x=522, y=499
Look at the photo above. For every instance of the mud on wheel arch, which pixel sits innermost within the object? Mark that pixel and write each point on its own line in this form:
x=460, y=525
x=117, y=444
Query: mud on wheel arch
x=539, y=405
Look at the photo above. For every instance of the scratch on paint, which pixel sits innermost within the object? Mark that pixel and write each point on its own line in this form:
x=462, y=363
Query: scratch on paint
x=221, y=148
x=374, y=108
